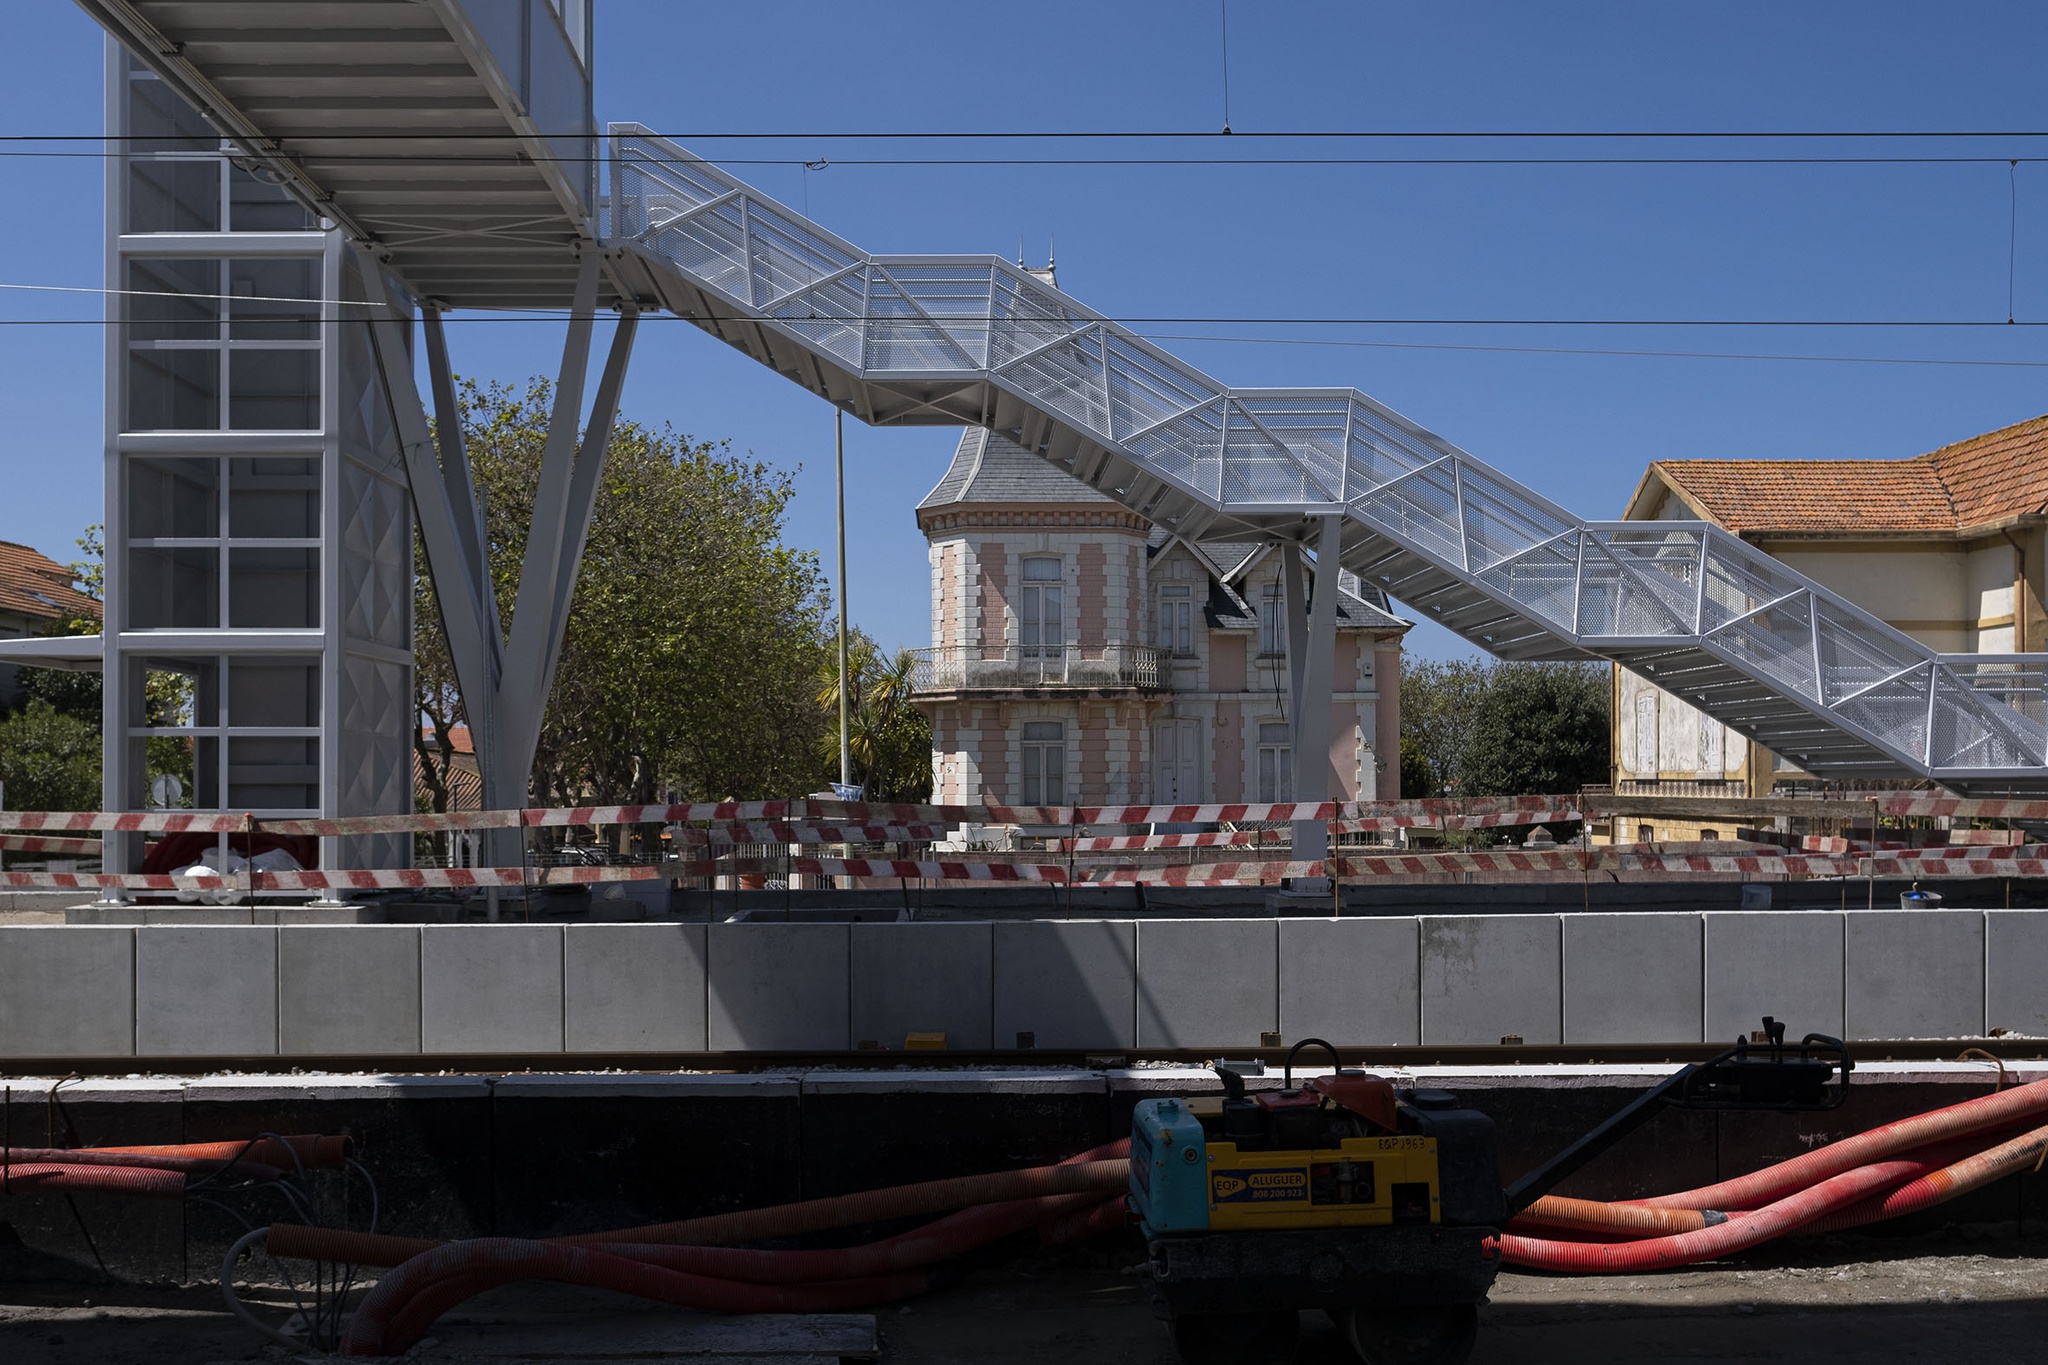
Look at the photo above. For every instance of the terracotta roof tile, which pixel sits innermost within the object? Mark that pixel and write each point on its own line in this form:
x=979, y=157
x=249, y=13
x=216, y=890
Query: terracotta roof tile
x=38, y=587
x=2000, y=474
x=1985, y=479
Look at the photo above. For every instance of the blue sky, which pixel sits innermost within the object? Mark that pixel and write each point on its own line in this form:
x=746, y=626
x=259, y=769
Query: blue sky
x=1828, y=242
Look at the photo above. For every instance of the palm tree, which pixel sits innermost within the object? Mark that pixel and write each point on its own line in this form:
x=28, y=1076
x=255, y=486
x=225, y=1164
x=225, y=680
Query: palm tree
x=891, y=741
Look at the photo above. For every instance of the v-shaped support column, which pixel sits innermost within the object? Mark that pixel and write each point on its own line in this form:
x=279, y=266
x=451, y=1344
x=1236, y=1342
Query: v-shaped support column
x=504, y=679
x=1312, y=670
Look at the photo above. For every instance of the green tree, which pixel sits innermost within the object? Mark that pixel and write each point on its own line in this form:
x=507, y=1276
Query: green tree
x=49, y=760
x=694, y=635
x=1418, y=779
x=890, y=739
x=1537, y=728
x=1438, y=700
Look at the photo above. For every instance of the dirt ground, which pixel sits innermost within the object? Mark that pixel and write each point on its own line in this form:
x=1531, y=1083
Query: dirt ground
x=1953, y=1297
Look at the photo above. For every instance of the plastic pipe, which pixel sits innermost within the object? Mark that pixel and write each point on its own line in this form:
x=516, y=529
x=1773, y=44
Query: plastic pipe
x=875, y=1206
x=469, y=1267
x=1986, y=1113
x=1099, y=1171
x=38, y=1177
x=190, y=1165
x=1630, y=1220
x=1737, y=1234
x=311, y=1150
x=1591, y=1215
x=878, y=1270
x=1938, y=1187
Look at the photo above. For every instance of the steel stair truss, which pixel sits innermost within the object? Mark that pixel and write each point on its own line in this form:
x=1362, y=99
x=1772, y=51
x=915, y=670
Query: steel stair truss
x=974, y=340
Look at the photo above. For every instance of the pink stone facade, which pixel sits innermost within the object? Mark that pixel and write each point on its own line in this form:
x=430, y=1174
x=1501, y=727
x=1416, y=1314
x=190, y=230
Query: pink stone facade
x=1140, y=673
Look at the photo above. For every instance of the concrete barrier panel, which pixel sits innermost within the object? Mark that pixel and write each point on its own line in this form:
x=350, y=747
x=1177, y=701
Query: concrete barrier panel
x=1784, y=963
x=1632, y=978
x=1350, y=981
x=778, y=987
x=1487, y=976
x=491, y=988
x=348, y=988
x=1072, y=983
x=1207, y=983
x=2016, y=971
x=923, y=977
x=66, y=992
x=209, y=991
x=1913, y=974
x=633, y=988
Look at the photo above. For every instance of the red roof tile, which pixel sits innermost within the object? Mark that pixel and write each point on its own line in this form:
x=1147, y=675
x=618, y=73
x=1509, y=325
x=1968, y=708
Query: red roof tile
x=36, y=586
x=1985, y=479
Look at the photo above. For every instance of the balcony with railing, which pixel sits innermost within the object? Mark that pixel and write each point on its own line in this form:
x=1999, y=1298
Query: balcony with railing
x=1114, y=667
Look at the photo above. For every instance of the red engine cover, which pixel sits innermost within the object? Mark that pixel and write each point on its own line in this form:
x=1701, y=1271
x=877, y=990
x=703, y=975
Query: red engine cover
x=1368, y=1096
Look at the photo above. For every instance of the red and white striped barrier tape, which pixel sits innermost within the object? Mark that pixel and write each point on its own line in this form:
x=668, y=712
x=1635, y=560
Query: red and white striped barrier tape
x=151, y=822
x=48, y=843
x=1548, y=815
x=794, y=832
x=936, y=870
x=1269, y=812
x=1974, y=808
x=1225, y=839
x=1210, y=874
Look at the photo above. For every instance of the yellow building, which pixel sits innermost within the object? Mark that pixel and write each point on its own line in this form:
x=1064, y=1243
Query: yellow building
x=1948, y=547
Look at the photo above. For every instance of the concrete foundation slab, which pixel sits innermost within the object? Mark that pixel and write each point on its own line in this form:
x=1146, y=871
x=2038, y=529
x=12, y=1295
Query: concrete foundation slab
x=778, y=987
x=348, y=989
x=67, y=992
x=1784, y=963
x=205, y=992
x=1913, y=974
x=2016, y=971
x=1632, y=978
x=491, y=988
x=1487, y=976
x=1070, y=983
x=1351, y=981
x=927, y=978
x=633, y=988
x=1207, y=983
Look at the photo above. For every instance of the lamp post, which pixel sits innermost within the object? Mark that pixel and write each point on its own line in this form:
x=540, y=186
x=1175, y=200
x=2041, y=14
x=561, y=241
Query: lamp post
x=839, y=464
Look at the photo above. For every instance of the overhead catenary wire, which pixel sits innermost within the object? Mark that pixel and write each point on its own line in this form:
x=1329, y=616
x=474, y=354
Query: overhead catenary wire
x=1069, y=134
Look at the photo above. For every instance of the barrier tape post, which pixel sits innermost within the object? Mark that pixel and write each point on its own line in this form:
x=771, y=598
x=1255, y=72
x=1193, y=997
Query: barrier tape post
x=1331, y=856
x=1073, y=838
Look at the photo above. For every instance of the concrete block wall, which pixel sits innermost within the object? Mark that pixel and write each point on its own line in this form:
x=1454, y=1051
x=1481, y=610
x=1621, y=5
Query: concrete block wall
x=1108, y=985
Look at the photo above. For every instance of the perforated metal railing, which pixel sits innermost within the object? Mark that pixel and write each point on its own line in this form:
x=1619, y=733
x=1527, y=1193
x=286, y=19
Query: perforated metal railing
x=973, y=339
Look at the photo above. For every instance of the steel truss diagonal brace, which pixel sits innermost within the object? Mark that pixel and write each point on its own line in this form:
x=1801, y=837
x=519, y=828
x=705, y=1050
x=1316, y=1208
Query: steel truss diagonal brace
x=504, y=684
x=447, y=521
x=563, y=504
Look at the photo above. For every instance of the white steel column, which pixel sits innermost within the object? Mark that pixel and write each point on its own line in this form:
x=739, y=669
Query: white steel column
x=504, y=682
x=1314, y=666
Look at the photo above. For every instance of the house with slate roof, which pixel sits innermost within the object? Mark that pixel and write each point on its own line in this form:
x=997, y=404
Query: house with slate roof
x=1948, y=547
x=1081, y=655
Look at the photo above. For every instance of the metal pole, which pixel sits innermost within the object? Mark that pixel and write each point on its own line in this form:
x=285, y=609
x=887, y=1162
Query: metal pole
x=839, y=464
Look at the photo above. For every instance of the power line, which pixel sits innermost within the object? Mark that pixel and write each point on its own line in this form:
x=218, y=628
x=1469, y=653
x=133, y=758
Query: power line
x=464, y=159
x=1134, y=134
